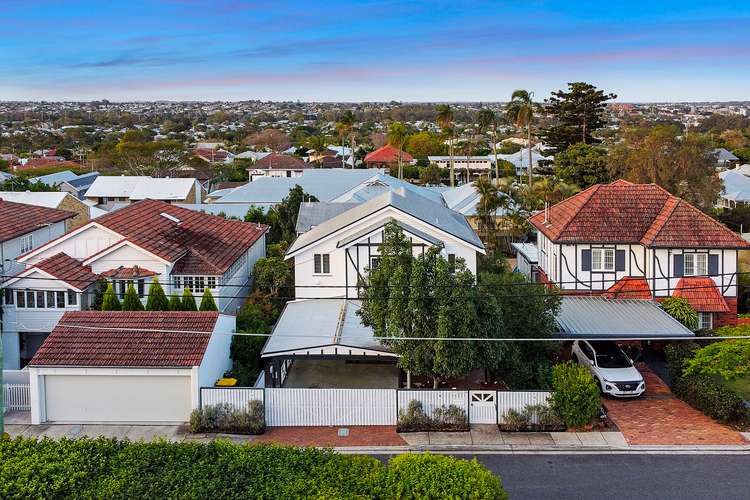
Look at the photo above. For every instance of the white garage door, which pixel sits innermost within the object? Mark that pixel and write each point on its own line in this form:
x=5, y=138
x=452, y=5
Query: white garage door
x=112, y=398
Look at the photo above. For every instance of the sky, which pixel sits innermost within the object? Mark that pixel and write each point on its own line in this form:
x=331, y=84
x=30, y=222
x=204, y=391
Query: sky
x=644, y=51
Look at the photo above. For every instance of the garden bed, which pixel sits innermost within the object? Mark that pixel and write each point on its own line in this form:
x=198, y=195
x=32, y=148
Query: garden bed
x=442, y=419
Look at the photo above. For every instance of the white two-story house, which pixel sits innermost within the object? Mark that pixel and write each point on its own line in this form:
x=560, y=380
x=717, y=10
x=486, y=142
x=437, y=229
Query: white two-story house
x=146, y=240
x=628, y=240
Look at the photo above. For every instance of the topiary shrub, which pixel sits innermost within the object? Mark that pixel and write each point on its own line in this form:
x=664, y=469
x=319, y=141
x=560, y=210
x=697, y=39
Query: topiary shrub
x=576, y=394
x=224, y=417
x=110, y=302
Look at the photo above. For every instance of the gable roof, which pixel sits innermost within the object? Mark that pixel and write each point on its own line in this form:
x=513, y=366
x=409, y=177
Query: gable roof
x=702, y=294
x=40, y=199
x=67, y=269
x=128, y=339
x=55, y=178
x=429, y=212
x=276, y=161
x=388, y=154
x=623, y=212
x=199, y=242
x=167, y=188
x=17, y=219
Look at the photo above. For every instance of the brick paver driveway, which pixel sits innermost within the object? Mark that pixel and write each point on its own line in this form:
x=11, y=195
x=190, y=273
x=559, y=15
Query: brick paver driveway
x=659, y=418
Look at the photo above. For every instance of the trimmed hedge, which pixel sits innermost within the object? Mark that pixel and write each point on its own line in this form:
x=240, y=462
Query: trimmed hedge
x=108, y=468
x=702, y=392
x=576, y=394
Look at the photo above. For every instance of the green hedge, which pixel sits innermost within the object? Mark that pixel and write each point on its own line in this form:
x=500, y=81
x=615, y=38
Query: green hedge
x=576, y=394
x=702, y=391
x=107, y=468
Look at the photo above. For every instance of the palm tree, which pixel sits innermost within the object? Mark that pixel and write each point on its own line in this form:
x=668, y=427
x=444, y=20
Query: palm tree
x=489, y=202
x=344, y=127
x=550, y=189
x=487, y=119
x=397, y=137
x=521, y=112
x=444, y=120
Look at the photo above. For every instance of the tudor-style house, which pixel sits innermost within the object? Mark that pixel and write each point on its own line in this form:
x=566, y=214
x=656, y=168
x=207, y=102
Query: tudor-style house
x=628, y=240
x=149, y=239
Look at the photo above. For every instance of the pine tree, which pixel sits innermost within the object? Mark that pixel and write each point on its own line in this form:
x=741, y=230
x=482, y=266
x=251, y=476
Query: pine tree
x=188, y=301
x=131, y=302
x=110, y=302
x=207, y=302
x=157, y=299
x=174, y=302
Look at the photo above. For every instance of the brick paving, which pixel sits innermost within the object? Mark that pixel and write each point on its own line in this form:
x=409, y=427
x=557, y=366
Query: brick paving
x=660, y=418
x=374, y=435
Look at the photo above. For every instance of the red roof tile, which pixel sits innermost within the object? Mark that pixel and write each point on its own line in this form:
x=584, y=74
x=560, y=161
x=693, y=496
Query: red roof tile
x=211, y=154
x=276, y=161
x=17, y=219
x=702, y=294
x=629, y=288
x=132, y=339
x=200, y=243
x=623, y=212
x=123, y=272
x=67, y=269
x=388, y=154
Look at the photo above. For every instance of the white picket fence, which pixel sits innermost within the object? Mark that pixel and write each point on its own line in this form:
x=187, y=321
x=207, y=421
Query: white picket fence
x=341, y=407
x=17, y=397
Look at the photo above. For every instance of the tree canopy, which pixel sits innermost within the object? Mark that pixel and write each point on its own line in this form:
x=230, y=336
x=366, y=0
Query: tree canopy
x=283, y=217
x=729, y=359
x=583, y=165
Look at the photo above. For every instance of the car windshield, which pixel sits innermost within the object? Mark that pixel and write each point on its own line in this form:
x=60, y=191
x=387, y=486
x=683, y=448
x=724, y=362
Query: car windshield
x=609, y=355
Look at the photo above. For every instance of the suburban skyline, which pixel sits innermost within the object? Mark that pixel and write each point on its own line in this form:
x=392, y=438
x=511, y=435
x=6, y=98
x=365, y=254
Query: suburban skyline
x=371, y=51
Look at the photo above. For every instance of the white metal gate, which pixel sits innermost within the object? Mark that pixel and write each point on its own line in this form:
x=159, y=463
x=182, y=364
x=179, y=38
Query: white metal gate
x=482, y=407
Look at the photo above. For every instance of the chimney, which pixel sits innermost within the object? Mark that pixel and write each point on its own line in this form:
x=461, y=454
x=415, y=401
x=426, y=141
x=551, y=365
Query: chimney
x=546, y=212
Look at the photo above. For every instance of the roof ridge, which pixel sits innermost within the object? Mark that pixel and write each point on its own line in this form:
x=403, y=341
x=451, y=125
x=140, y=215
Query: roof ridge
x=666, y=217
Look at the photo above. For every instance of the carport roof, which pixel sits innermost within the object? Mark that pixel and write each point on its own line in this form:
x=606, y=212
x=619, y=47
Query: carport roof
x=599, y=317
x=164, y=339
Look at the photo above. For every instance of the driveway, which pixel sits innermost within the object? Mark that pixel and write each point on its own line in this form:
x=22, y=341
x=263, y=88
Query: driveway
x=660, y=418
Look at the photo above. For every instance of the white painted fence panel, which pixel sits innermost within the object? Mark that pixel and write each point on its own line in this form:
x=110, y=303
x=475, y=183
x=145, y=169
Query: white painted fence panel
x=432, y=399
x=238, y=397
x=17, y=397
x=518, y=400
x=311, y=407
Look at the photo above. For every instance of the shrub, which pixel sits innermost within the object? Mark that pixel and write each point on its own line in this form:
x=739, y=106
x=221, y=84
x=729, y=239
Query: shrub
x=107, y=468
x=444, y=418
x=544, y=415
x=681, y=310
x=174, y=302
x=110, y=302
x=157, y=300
x=576, y=395
x=130, y=301
x=207, y=301
x=514, y=420
x=224, y=417
x=188, y=301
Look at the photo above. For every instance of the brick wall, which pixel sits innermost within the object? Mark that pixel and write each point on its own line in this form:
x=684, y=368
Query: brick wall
x=72, y=204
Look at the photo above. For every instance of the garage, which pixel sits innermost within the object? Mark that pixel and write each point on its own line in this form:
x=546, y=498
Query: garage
x=117, y=398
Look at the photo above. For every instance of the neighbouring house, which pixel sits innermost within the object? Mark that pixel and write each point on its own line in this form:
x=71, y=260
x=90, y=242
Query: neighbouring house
x=387, y=157
x=527, y=260
x=128, y=367
x=626, y=239
x=79, y=185
x=464, y=199
x=478, y=165
x=55, y=178
x=148, y=239
x=114, y=191
x=736, y=188
x=60, y=200
x=213, y=155
x=277, y=165
x=725, y=159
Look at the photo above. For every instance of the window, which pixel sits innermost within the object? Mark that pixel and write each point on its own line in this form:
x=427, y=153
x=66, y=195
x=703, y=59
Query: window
x=187, y=282
x=374, y=261
x=9, y=295
x=30, y=302
x=587, y=350
x=51, y=299
x=200, y=283
x=211, y=282
x=696, y=264
x=141, y=286
x=322, y=263
x=60, y=302
x=21, y=296
x=40, y=299
x=603, y=259
x=72, y=298
x=27, y=243
x=176, y=283
x=705, y=321
x=452, y=262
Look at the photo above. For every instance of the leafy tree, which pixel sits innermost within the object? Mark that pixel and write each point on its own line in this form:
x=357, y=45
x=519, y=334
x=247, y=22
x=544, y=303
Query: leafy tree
x=130, y=301
x=681, y=310
x=444, y=119
x=4, y=164
x=425, y=143
x=579, y=112
x=255, y=214
x=743, y=154
x=398, y=135
x=583, y=165
x=158, y=159
x=729, y=359
x=269, y=138
x=188, y=301
x=735, y=218
x=430, y=175
x=407, y=296
x=520, y=111
x=23, y=184
x=174, y=302
x=245, y=349
x=489, y=202
x=272, y=274
x=207, y=301
x=283, y=217
x=157, y=299
x=110, y=302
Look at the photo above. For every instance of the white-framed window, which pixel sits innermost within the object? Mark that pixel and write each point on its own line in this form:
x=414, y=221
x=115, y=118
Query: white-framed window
x=27, y=243
x=176, y=282
x=72, y=298
x=705, y=320
x=603, y=259
x=322, y=263
x=211, y=282
x=696, y=264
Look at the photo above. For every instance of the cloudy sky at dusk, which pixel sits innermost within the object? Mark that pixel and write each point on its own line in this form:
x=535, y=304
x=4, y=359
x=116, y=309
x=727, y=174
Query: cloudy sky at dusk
x=371, y=50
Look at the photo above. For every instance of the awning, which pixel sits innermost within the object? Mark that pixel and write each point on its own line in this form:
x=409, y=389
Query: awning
x=599, y=317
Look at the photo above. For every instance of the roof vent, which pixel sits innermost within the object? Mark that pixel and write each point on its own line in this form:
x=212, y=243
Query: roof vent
x=171, y=218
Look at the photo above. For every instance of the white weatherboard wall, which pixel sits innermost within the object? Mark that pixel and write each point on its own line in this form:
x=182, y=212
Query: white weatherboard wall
x=314, y=407
x=80, y=243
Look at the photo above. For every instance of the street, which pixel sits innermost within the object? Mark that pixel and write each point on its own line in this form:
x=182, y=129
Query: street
x=581, y=476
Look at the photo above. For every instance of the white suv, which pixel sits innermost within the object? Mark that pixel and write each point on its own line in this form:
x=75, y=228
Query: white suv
x=611, y=367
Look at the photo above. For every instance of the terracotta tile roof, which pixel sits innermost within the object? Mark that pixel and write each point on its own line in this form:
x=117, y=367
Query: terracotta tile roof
x=199, y=243
x=702, y=293
x=123, y=272
x=211, y=154
x=276, y=161
x=629, y=288
x=132, y=339
x=67, y=269
x=17, y=219
x=388, y=154
x=623, y=212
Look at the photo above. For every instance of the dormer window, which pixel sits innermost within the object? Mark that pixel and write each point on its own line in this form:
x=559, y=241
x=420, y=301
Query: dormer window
x=696, y=264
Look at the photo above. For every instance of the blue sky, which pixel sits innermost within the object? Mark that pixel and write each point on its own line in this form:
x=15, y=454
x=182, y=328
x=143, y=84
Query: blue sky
x=371, y=50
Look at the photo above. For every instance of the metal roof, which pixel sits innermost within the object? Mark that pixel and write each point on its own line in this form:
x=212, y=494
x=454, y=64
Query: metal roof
x=314, y=213
x=528, y=250
x=594, y=317
x=378, y=225
x=736, y=186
